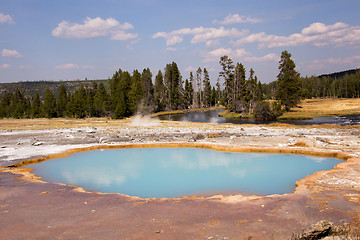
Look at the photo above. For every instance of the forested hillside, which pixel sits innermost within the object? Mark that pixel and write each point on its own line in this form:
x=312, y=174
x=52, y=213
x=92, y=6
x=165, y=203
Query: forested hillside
x=125, y=93
x=30, y=89
x=341, y=74
x=120, y=96
x=335, y=85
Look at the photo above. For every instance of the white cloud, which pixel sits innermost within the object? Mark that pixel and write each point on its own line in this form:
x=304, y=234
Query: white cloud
x=200, y=34
x=11, y=53
x=212, y=43
x=6, y=19
x=319, y=64
x=236, y=18
x=74, y=66
x=171, y=49
x=25, y=67
x=317, y=28
x=241, y=54
x=317, y=34
x=271, y=57
x=68, y=66
x=93, y=28
x=5, y=66
x=123, y=36
x=216, y=33
x=20, y=67
x=190, y=69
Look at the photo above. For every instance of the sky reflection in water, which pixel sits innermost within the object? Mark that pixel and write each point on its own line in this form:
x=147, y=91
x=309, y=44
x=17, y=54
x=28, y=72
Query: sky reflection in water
x=176, y=172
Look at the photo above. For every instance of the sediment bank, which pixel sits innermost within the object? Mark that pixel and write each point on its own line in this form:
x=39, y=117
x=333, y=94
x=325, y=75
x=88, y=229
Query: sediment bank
x=65, y=212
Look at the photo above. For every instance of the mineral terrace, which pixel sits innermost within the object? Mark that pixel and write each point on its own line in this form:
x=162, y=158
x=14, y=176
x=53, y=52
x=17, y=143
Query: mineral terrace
x=33, y=209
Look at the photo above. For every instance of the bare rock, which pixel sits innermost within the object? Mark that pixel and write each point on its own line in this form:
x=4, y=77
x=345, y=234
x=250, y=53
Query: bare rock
x=199, y=136
x=37, y=143
x=319, y=230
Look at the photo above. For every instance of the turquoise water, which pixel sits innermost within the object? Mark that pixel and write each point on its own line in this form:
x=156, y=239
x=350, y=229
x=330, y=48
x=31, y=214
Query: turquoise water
x=177, y=172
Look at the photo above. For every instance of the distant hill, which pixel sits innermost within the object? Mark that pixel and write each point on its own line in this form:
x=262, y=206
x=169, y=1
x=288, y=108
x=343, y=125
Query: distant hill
x=31, y=88
x=338, y=75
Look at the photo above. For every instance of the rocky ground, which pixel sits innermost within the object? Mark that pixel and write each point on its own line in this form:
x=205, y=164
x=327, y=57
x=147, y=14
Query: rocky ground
x=32, y=209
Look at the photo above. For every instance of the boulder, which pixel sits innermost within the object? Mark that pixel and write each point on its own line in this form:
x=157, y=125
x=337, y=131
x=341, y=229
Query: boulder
x=318, y=230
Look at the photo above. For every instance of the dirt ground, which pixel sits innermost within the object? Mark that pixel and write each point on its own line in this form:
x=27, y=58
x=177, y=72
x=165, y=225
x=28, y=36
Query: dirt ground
x=32, y=209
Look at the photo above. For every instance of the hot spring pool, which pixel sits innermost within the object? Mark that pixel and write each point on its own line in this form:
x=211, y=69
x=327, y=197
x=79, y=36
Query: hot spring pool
x=177, y=172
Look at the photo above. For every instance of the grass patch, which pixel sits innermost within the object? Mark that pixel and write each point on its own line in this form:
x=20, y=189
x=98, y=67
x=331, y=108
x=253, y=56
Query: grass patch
x=312, y=108
x=228, y=114
x=58, y=123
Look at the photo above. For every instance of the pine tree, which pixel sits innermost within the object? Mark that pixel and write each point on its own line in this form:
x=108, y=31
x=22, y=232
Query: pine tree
x=18, y=104
x=193, y=86
x=188, y=94
x=199, y=87
x=218, y=93
x=123, y=105
x=241, y=92
x=36, y=106
x=5, y=105
x=288, y=92
x=80, y=100
x=159, y=92
x=49, y=107
x=252, y=91
x=173, y=85
x=62, y=101
x=114, y=91
x=214, y=100
x=148, y=99
x=90, y=94
x=207, y=89
x=101, y=101
x=121, y=110
x=228, y=74
x=137, y=92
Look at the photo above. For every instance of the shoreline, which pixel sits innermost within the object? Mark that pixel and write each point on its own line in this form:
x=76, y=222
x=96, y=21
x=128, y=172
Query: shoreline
x=23, y=167
x=332, y=195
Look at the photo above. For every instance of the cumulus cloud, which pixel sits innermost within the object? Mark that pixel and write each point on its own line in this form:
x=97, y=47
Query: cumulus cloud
x=236, y=18
x=6, y=19
x=317, y=34
x=200, y=34
x=5, y=66
x=11, y=53
x=123, y=36
x=93, y=28
x=241, y=54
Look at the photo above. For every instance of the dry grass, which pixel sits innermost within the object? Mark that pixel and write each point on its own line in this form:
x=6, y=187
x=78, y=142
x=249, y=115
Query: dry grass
x=58, y=123
x=311, y=108
x=228, y=114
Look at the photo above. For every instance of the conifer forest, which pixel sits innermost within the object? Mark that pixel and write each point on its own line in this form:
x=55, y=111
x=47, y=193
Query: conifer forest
x=127, y=93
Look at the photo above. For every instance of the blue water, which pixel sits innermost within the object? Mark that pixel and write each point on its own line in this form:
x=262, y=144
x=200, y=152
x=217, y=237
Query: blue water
x=177, y=172
x=213, y=117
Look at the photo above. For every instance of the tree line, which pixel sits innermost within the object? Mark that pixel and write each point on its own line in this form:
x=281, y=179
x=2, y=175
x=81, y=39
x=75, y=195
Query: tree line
x=125, y=93
x=345, y=85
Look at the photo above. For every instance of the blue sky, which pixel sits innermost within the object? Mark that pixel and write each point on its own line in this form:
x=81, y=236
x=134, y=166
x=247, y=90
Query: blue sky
x=69, y=40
